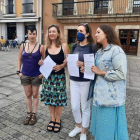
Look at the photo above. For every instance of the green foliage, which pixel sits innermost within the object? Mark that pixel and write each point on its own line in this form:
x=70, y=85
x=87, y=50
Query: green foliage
x=70, y=46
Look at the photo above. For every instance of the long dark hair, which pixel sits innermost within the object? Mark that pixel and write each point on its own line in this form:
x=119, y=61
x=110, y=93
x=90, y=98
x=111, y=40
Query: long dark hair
x=88, y=30
x=110, y=35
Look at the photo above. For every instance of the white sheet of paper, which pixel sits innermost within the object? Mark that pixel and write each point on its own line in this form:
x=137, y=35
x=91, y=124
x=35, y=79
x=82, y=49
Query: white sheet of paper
x=72, y=64
x=47, y=67
x=89, y=62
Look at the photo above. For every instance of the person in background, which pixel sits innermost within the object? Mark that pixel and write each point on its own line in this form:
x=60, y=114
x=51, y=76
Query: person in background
x=79, y=86
x=2, y=43
x=31, y=78
x=15, y=42
x=7, y=45
x=108, y=120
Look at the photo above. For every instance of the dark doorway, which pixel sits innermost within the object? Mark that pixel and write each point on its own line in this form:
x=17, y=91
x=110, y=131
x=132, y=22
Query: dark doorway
x=68, y=7
x=72, y=36
x=11, y=31
x=129, y=41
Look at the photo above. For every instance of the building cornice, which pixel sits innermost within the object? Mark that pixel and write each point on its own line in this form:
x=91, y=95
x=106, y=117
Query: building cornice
x=20, y=19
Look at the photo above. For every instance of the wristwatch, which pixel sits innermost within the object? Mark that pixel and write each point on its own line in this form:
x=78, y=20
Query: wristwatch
x=18, y=72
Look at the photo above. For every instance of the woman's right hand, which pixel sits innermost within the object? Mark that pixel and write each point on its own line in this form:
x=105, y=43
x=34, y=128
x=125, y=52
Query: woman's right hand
x=41, y=62
x=20, y=75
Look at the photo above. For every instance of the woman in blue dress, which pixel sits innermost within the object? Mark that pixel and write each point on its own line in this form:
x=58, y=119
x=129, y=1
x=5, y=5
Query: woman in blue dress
x=108, y=120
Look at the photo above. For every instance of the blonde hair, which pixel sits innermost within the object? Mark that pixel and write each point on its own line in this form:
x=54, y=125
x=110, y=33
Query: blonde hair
x=59, y=40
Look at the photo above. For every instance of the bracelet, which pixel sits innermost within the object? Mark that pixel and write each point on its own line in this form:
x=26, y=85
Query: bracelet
x=18, y=72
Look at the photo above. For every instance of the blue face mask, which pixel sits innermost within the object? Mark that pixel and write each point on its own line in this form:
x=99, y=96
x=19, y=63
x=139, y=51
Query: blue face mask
x=80, y=36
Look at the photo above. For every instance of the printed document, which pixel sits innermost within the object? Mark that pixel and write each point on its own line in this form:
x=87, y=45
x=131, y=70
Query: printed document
x=88, y=62
x=72, y=64
x=47, y=67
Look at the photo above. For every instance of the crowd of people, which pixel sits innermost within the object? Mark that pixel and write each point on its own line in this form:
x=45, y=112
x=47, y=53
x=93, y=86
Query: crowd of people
x=108, y=118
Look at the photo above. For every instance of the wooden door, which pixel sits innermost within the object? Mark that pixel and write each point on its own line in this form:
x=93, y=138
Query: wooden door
x=68, y=7
x=129, y=41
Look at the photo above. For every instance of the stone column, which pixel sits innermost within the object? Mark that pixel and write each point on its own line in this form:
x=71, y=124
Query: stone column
x=37, y=31
x=20, y=31
x=4, y=30
x=91, y=8
x=75, y=11
x=110, y=7
x=129, y=9
x=60, y=8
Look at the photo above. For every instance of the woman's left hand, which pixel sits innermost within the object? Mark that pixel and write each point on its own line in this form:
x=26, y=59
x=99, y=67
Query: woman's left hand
x=57, y=68
x=40, y=76
x=80, y=63
x=82, y=69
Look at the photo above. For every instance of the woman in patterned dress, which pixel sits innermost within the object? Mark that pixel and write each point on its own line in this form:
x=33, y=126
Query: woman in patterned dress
x=53, y=89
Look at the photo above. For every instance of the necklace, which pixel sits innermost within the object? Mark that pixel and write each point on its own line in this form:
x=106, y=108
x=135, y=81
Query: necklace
x=30, y=53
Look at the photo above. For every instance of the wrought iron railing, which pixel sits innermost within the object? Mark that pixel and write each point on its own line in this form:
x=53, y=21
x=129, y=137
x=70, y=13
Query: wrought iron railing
x=96, y=7
x=9, y=9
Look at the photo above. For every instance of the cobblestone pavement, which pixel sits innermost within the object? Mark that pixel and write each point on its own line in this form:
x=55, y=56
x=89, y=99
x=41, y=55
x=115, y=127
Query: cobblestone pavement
x=13, y=109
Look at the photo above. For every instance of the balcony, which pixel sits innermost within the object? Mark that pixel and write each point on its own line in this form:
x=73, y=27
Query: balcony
x=9, y=11
x=97, y=11
x=28, y=9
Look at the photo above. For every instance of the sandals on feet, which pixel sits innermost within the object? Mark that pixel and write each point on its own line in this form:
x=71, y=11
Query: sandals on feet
x=50, y=126
x=26, y=121
x=33, y=119
x=57, y=127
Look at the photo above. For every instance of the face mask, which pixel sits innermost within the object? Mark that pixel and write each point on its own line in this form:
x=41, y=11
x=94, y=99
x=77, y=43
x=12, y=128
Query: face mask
x=80, y=36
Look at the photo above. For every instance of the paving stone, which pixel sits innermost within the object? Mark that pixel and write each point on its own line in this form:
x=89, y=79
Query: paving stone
x=8, y=137
x=33, y=135
x=39, y=137
x=5, y=102
x=17, y=135
x=23, y=137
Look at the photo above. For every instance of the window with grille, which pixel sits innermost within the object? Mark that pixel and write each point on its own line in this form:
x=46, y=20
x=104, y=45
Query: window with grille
x=136, y=6
x=101, y=7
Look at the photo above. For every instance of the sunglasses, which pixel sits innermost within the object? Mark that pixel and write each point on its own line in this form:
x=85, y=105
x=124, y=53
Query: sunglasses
x=84, y=24
x=55, y=25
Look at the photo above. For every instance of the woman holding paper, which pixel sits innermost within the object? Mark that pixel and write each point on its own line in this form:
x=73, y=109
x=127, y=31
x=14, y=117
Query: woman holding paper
x=31, y=78
x=108, y=111
x=53, y=89
x=79, y=86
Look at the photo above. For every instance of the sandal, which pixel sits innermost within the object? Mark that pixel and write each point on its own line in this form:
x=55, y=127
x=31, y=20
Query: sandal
x=58, y=127
x=26, y=121
x=33, y=119
x=50, y=126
